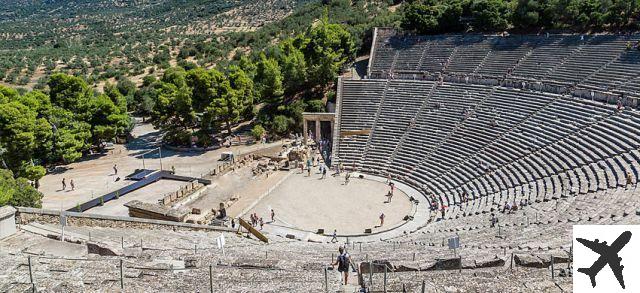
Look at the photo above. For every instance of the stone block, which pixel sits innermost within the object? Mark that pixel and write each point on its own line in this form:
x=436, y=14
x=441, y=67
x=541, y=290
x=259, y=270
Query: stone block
x=489, y=263
x=103, y=249
x=530, y=261
x=445, y=264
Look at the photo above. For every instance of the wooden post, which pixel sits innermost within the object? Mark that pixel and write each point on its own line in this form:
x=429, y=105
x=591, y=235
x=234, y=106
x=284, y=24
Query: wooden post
x=121, y=275
x=414, y=256
x=211, y=278
x=553, y=273
x=122, y=242
x=195, y=248
x=423, y=285
x=460, y=267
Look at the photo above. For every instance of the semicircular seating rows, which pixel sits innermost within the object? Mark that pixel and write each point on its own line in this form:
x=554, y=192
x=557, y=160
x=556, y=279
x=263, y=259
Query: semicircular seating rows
x=466, y=141
x=601, y=61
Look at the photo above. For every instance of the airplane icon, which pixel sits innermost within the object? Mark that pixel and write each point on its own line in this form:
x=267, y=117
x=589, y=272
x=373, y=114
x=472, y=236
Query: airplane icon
x=608, y=255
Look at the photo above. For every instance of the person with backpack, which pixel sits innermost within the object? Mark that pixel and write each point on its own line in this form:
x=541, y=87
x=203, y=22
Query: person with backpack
x=343, y=262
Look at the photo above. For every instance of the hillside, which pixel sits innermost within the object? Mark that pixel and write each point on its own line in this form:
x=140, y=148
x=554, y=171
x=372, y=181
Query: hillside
x=103, y=39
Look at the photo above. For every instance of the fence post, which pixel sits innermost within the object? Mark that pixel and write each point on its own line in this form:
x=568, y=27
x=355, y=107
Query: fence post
x=370, y=274
x=414, y=256
x=460, y=267
x=423, y=285
x=553, y=273
x=511, y=265
x=121, y=275
x=211, y=278
x=31, y=275
x=326, y=281
x=385, y=279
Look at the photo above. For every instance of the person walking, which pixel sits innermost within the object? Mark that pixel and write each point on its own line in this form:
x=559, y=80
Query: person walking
x=73, y=186
x=261, y=224
x=115, y=169
x=64, y=183
x=273, y=216
x=334, y=238
x=346, y=178
x=343, y=262
x=324, y=173
x=382, y=219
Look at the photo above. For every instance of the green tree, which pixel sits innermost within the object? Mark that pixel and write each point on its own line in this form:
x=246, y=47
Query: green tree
x=327, y=47
x=293, y=66
x=269, y=79
x=18, y=192
x=490, y=15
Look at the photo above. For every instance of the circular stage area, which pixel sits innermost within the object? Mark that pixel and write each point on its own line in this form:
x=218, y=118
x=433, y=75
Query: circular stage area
x=310, y=203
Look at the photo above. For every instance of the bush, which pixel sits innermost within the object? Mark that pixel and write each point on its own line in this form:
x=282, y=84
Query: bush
x=258, y=131
x=315, y=106
x=281, y=124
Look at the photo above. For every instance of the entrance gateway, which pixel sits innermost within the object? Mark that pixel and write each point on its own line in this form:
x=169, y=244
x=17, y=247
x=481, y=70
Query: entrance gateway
x=317, y=118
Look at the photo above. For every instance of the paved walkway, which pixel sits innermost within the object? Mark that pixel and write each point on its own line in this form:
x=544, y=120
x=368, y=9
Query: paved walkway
x=95, y=176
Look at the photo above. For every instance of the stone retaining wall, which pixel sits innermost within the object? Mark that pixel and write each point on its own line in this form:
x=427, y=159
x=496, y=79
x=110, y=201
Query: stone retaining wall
x=28, y=215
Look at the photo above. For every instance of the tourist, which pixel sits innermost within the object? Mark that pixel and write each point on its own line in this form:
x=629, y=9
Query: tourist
x=343, y=262
x=382, y=219
x=346, y=178
x=73, y=186
x=233, y=223
x=493, y=220
x=64, y=184
x=115, y=170
x=334, y=238
x=629, y=178
x=392, y=187
x=389, y=196
x=324, y=173
x=261, y=223
x=273, y=216
x=619, y=107
x=389, y=179
x=308, y=171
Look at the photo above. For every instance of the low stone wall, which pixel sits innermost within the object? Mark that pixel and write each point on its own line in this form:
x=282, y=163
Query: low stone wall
x=28, y=215
x=7, y=221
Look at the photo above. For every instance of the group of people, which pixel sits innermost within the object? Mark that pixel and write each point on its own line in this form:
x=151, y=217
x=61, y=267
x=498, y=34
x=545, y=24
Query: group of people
x=256, y=221
x=512, y=207
x=71, y=183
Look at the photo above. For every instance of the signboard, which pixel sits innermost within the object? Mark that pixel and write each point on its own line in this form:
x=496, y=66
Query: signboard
x=63, y=219
x=220, y=241
x=454, y=242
